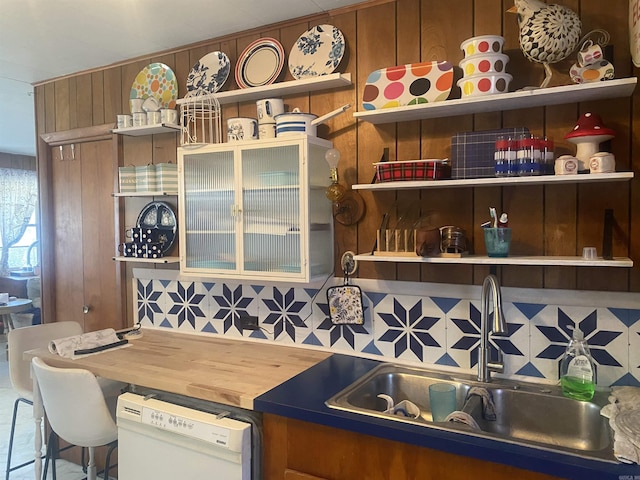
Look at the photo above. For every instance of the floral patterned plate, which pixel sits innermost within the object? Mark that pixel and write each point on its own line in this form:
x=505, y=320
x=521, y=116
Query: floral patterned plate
x=317, y=51
x=158, y=81
x=209, y=73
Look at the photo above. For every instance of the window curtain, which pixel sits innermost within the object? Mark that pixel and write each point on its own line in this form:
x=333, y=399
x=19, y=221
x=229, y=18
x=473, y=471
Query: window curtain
x=18, y=197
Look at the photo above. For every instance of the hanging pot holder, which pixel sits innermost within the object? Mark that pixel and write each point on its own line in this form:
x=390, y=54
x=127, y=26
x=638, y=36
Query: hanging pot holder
x=345, y=304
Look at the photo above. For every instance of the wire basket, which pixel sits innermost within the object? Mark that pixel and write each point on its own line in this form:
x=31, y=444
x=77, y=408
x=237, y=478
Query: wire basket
x=201, y=119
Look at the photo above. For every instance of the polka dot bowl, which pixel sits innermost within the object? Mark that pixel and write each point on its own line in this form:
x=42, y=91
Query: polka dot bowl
x=489, y=84
x=482, y=44
x=481, y=64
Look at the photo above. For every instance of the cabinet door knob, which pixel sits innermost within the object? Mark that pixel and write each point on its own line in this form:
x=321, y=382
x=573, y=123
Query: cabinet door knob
x=85, y=309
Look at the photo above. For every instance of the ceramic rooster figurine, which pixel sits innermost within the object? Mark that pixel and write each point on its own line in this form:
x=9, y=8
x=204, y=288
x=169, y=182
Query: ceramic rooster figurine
x=548, y=33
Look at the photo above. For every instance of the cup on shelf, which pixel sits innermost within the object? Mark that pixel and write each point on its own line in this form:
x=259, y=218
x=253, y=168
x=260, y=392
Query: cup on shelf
x=497, y=241
x=442, y=399
x=169, y=115
x=153, y=118
x=136, y=105
x=589, y=253
x=124, y=121
x=139, y=119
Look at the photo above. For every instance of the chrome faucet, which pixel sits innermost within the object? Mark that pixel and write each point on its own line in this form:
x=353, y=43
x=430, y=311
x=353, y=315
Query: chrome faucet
x=490, y=295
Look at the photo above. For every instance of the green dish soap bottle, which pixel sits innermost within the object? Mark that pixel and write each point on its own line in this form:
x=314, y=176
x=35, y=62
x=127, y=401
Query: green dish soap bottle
x=577, y=371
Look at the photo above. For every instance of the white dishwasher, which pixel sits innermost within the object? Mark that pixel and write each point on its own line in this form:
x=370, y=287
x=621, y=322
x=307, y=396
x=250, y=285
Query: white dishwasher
x=162, y=440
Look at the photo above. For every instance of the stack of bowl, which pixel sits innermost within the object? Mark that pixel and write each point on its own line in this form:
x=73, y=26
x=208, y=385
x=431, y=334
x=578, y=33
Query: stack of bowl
x=484, y=66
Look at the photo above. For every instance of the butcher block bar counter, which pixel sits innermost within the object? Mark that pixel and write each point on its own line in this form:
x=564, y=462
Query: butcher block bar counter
x=231, y=372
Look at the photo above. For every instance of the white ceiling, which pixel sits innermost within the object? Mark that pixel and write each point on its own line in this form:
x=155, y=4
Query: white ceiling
x=44, y=39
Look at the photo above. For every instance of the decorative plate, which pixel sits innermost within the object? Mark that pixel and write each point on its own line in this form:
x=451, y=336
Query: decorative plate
x=209, y=73
x=260, y=63
x=317, y=51
x=409, y=84
x=160, y=216
x=156, y=80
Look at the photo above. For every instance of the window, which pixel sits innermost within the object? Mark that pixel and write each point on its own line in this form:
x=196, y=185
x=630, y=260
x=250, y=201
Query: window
x=24, y=253
x=18, y=199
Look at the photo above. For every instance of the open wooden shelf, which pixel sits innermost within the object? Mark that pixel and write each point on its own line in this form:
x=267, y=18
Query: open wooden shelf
x=145, y=194
x=622, y=87
x=498, y=181
x=148, y=260
x=544, y=261
x=147, y=130
x=280, y=89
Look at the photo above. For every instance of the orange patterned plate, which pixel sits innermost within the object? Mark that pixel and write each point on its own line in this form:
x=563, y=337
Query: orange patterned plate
x=156, y=80
x=409, y=84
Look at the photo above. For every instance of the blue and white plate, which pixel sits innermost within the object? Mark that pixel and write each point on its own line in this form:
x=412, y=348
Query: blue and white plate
x=209, y=73
x=317, y=51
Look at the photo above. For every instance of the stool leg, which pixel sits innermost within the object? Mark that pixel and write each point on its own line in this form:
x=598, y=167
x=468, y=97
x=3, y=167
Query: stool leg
x=91, y=467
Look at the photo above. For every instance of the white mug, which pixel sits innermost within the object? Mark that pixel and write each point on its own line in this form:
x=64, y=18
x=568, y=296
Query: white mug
x=268, y=108
x=124, y=121
x=139, y=119
x=566, y=165
x=602, y=162
x=242, y=128
x=153, y=118
x=589, y=53
x=169, y=115
x=136, y=104
x=267, y=130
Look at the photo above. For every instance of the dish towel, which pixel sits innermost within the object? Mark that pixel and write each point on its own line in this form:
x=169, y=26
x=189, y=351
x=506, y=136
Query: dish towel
x=67, y=346
x=488, y=407
x=462, y=417
x=624, y=405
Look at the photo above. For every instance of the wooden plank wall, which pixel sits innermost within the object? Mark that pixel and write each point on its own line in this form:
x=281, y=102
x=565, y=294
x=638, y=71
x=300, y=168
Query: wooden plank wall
x=552, y=220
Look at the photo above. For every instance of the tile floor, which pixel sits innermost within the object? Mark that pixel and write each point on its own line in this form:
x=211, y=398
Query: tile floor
x=23, y=441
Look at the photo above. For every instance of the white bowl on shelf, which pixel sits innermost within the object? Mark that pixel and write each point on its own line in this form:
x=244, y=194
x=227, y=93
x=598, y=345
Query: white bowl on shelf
x=482, y=44
x=484, y=63
x=479, y=85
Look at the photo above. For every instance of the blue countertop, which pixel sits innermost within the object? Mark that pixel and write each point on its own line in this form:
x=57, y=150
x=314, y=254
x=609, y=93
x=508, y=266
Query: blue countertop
x=303, y=398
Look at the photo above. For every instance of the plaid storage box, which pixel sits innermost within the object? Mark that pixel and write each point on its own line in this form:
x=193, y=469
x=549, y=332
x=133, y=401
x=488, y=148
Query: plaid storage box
x=127, y=179
x=412, y=170
x=167, y=177
x=146, y=179
x=472, y=153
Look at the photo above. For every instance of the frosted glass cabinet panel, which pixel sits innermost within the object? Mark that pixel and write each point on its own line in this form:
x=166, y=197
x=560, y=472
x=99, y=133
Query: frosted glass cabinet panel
x=256, y=210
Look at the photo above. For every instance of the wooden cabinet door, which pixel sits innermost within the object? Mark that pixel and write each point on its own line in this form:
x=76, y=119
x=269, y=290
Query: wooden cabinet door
x=86, y=285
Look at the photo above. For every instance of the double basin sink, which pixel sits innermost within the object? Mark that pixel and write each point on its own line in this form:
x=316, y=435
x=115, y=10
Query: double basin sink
x=527, y=414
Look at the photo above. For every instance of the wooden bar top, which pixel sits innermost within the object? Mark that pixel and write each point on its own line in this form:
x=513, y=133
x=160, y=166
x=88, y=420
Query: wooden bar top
x=232, y=372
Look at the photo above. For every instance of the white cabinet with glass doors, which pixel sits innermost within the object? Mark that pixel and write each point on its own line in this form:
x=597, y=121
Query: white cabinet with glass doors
x=256, y=210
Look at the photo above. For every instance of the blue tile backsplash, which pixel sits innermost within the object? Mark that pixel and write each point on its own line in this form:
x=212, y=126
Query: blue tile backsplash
x=410, y=323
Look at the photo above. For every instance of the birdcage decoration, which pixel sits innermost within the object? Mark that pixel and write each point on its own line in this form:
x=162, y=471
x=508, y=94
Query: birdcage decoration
x=201, y=119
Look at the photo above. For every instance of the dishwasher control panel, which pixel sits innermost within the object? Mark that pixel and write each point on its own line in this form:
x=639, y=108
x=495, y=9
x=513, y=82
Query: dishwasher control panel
x=224, y=432
x=186, y=426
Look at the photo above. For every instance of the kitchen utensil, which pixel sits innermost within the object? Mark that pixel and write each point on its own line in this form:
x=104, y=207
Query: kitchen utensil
x=296, y=122
x=331, y=114
x=345, y=303
x=484, y=63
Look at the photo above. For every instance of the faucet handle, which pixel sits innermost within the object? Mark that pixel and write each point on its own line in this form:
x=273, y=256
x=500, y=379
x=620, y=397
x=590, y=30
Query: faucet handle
x=498, y=365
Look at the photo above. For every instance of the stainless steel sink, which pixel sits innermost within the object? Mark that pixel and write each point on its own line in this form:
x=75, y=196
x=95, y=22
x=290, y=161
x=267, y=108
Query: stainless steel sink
x=527, y=414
